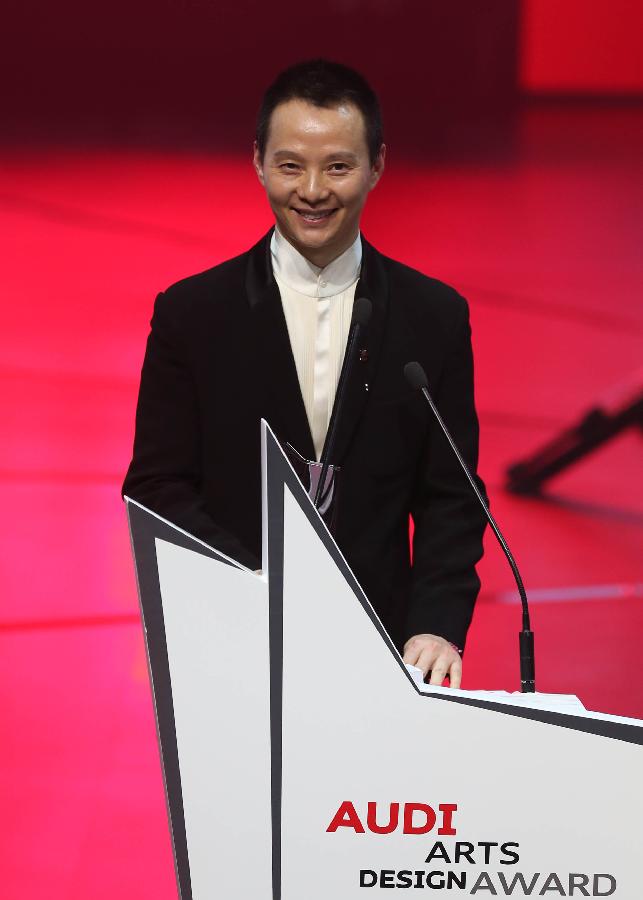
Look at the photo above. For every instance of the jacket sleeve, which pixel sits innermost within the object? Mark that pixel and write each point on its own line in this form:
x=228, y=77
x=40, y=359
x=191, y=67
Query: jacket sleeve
x=165, y=471
x=448, y=521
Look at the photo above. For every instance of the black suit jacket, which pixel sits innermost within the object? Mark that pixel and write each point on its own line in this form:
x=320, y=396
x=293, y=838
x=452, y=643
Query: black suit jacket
x=218, y=359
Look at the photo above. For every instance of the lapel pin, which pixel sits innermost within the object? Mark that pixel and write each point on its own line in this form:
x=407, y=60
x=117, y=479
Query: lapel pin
x=363, y=355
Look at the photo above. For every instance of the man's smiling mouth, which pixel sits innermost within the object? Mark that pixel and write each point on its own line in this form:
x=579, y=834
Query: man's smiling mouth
x=309, y=215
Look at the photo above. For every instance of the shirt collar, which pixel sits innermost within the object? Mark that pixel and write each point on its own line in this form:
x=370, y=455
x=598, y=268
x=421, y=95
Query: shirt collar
x=300, y=275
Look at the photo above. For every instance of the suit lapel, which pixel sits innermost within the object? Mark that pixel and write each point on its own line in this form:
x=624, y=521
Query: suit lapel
x=373, y=283
x=285, y=410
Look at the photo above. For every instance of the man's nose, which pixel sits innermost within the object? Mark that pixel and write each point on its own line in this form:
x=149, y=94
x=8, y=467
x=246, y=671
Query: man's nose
x=312, y=187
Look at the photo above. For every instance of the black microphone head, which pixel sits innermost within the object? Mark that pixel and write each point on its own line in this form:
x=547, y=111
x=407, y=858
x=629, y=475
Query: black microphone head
x=416, y=376
x=362, y=309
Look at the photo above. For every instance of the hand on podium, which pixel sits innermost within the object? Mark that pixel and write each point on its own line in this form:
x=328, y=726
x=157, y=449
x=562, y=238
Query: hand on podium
x=434, y=654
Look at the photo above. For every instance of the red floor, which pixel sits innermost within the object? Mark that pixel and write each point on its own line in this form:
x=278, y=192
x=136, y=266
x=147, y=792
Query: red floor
x=548, y=251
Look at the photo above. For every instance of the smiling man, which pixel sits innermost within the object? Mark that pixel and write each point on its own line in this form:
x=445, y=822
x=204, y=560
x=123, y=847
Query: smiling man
x=317, y=169
x=263, y=336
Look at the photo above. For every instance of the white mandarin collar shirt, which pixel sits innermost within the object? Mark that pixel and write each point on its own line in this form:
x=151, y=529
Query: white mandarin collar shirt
x=318, y=306
x=299, y=274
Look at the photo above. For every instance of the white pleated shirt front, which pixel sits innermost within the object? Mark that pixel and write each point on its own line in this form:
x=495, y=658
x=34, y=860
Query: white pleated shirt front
x=318, y=305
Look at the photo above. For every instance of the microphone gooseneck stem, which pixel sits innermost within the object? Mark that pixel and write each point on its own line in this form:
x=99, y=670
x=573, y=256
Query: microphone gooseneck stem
x=526, y=638
x=329, y=444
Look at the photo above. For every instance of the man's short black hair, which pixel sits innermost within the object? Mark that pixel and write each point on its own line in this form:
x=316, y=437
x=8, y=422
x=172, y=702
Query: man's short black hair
x=325, y=84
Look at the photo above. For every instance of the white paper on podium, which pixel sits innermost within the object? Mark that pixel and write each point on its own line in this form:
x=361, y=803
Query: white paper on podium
x=568, y=704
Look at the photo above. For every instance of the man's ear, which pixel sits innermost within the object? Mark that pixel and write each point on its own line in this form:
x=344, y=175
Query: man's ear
x=377, y=169
x=257, y=162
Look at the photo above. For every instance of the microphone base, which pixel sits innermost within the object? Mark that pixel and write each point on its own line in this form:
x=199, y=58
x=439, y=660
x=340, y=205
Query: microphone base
x=527, y=664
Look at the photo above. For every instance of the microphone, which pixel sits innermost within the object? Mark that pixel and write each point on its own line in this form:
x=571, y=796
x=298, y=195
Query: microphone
x=416, y=377
x=362, y=309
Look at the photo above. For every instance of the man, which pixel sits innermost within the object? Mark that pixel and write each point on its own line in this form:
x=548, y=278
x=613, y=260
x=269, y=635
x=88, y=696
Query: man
x=263, y=335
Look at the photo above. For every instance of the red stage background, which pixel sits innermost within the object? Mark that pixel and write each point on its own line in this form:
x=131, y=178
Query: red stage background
x=515, y=138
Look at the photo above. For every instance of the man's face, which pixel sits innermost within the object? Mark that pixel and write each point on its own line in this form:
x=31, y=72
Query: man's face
x=317, y=175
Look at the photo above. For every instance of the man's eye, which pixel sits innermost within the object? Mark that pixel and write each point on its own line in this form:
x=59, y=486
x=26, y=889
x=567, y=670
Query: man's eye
x=289, y=167
x=339, y=168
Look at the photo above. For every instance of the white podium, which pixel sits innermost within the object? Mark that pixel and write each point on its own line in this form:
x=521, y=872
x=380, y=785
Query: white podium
x=302, y=762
